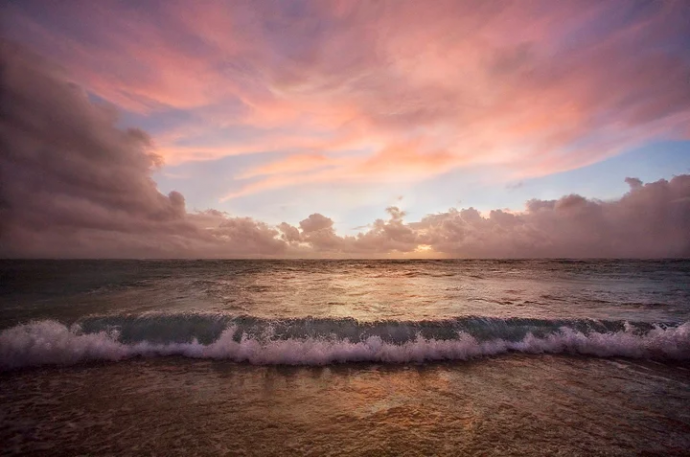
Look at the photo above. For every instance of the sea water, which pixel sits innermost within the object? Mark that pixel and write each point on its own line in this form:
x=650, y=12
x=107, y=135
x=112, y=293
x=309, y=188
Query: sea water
x=263, y=357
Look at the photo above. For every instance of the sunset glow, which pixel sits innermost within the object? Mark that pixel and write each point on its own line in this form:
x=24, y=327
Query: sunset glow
x=345, y=227
x=259, y=114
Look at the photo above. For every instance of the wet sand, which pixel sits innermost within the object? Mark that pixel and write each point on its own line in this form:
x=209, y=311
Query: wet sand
x=509, y=405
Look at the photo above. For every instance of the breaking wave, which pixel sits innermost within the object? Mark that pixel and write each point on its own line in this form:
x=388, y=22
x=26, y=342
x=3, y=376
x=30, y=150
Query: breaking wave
x=324, y=341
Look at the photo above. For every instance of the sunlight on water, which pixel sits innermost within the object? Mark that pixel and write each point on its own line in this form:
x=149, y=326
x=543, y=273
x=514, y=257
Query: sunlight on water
x=345, y=357
x=653, y=291
x=506, y=406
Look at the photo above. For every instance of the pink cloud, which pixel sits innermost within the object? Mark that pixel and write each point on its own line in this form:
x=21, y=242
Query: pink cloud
x=537, y=88
x=75, y=185
x=291, y=164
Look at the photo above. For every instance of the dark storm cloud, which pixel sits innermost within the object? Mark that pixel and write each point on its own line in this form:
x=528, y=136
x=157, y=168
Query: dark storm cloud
x=73, y=184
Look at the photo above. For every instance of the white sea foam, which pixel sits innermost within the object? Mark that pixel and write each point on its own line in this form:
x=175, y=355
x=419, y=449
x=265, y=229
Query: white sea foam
x=52, y=343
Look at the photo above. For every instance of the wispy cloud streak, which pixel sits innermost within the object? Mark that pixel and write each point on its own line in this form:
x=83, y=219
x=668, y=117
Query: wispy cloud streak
x=535, y=87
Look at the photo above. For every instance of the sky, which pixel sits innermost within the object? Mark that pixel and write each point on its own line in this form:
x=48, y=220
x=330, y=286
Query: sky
x=395, y=129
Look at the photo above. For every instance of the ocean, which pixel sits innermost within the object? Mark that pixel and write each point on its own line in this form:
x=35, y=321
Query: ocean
x=345, y=357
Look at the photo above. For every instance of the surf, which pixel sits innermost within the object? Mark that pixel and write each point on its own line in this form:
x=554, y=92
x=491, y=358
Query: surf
x=308, y=341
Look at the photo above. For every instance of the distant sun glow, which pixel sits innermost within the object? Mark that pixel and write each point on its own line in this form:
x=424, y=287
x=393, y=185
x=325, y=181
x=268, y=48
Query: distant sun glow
x=345, y=129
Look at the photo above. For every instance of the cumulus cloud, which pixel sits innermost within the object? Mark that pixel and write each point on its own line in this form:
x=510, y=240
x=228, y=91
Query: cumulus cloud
x=651, y=220
x=73, y=184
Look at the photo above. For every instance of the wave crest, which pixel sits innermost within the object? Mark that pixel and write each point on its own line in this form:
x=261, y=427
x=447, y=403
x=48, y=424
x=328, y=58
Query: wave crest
x=54, y=343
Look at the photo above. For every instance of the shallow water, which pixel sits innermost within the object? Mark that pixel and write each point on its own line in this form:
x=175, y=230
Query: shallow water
x=345, y=357
x=516, y=405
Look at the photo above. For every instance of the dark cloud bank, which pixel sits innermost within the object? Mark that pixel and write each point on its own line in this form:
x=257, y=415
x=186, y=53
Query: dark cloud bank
x=72, y=184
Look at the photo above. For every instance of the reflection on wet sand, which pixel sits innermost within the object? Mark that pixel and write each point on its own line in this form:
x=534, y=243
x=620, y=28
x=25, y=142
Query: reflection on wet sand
x=537, y=405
